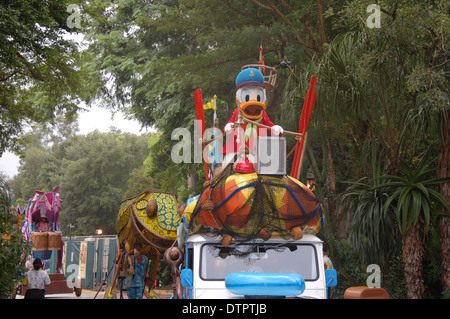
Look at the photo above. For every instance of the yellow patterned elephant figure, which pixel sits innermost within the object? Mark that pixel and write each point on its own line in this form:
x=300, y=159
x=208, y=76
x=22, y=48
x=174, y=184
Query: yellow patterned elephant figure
x=151, y=219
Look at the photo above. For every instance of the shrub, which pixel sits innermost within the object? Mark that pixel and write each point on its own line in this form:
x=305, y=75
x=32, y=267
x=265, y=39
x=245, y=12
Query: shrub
x=13, y=246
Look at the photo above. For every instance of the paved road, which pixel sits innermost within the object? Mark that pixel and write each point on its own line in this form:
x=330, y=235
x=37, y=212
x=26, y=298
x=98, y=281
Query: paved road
x=89, y=294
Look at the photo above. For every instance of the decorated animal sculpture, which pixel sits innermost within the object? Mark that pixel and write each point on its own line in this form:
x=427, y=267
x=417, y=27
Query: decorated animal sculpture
x=42, y=227
x=151, y=219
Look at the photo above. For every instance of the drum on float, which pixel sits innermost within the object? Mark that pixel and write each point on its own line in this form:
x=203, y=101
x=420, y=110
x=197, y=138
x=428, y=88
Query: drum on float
x=40, y=240
x=54, y=240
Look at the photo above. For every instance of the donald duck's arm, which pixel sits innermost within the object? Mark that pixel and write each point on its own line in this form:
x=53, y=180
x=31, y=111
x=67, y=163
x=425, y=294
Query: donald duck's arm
x=276, y=129
x=229, y=126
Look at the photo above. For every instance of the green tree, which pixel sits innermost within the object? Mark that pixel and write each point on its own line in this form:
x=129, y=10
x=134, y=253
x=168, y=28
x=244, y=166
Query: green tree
x=416, y=200
x=140, y=180
x=41, y=72
x=12, y=245
x=156, y=54
x=41, y=151
x=385, y=89
x=97, y=168
x=372, y=231
x=93, y=172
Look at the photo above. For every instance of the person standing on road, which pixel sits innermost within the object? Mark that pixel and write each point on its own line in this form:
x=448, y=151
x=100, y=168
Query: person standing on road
x=327, y=263
x=326, y=260
x=140, y=262
x=35, y=280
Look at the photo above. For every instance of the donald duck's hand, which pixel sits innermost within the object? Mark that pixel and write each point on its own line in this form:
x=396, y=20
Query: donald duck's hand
x=276, y=130
x=228, y=127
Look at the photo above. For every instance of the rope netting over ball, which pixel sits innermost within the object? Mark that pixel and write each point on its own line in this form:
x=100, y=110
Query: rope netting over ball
x=247, y=206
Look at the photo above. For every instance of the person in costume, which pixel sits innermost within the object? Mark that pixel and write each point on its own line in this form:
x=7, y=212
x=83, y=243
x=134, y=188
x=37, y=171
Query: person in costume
x=251, y=104
x=140, y=263
x=43, y=225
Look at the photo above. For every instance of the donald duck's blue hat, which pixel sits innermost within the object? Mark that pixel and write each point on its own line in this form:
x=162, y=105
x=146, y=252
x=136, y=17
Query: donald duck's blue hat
x=250, y=76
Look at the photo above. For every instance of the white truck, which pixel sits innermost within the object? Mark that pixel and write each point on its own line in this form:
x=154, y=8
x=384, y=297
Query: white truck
x=276, y=268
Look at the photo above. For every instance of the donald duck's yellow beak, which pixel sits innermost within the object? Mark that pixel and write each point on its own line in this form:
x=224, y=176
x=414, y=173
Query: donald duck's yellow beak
x=252, y=110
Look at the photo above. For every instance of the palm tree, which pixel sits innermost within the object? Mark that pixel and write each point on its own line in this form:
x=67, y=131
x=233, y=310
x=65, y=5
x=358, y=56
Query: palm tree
x=372, y=232
x=394, y=83
x=444, y=224
x=415, y=202
x=386, y=87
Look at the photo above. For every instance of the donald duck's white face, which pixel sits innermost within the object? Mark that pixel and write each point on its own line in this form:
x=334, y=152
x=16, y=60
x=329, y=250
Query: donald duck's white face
x=252, y=101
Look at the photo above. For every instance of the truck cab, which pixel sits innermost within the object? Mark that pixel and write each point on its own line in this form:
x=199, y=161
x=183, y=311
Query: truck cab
x=275, y=268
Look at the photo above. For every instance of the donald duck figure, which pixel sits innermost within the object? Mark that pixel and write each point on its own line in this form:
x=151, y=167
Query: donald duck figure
x=251, y=104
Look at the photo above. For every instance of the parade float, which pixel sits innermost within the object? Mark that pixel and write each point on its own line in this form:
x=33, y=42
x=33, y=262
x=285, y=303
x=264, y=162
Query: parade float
x=42, y=229
x=251, y=232
x=150, y=219
x=251, y=195
x=247, y=210
x=42, y=225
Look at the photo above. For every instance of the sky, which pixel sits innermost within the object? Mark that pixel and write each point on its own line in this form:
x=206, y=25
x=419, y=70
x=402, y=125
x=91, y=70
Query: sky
x=96, y=119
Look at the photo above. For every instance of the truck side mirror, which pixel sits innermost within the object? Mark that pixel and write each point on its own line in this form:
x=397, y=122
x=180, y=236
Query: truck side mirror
x=186, y=278
x=331, y=277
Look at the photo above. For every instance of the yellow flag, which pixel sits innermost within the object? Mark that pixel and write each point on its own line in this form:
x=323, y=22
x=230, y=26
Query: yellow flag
x=211, y=104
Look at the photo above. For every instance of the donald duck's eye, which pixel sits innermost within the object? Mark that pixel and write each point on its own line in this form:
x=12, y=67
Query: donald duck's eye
x=260, y=96
x=245, y=95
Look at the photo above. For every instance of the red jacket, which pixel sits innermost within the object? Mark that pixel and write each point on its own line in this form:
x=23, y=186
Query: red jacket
x=231, y=145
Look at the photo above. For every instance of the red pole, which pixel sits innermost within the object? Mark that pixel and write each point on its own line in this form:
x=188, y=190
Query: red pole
x=201, y=126
x=308, y=106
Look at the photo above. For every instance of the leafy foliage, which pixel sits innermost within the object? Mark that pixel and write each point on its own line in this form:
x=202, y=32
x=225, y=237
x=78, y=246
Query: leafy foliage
x=92, y=170
x=154, y=55
x=381, y=94
x=371, y=231
x=414, y=193
x=40, y=69
x=347, y=263
x=12, y=244
x=94, y=180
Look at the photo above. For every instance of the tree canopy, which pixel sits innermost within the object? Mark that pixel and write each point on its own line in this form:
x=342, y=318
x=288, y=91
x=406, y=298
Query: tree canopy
x=41, y=73
x=92, y=170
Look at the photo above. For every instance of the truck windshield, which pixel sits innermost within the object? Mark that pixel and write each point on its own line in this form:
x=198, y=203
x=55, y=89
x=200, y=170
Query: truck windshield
x=217, y=261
